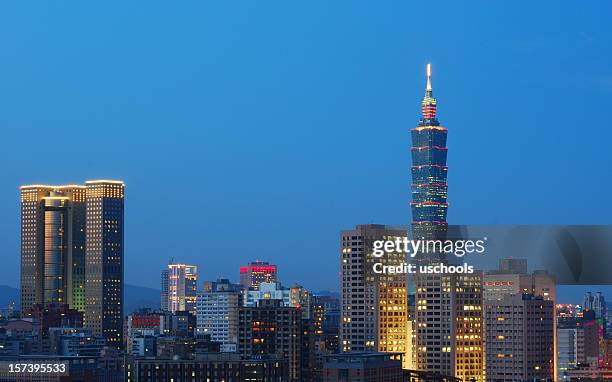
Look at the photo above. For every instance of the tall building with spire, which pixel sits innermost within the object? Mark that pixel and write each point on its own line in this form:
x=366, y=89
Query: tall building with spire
x=429, y=170
x=447, y=316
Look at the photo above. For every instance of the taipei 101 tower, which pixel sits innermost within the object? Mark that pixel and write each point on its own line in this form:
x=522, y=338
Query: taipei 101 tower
x=429, y=187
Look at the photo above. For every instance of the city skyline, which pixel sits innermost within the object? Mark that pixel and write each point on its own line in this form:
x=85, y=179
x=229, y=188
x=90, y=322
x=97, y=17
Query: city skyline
x=313, y=105
x=200, y=191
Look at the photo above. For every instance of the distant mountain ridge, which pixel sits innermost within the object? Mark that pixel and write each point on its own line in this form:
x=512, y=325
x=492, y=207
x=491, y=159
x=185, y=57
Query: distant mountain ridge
x=135, y=297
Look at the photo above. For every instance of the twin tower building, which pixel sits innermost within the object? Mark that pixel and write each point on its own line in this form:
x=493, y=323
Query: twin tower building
x=434, y=321
x=72, y=252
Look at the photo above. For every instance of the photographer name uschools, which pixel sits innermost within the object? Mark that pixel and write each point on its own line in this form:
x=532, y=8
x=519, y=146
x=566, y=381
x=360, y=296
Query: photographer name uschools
x=406, y=268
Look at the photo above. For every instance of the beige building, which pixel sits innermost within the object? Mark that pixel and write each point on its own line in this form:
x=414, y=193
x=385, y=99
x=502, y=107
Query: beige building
x=520, y=338
x=374, y=307
x=448, y=325
x=504, y=289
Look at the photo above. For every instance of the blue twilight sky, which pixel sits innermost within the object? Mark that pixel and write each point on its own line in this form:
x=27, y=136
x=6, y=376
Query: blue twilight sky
x=260, y=129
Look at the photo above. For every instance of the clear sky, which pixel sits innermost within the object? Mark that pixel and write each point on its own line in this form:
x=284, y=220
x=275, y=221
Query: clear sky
x=260, y=129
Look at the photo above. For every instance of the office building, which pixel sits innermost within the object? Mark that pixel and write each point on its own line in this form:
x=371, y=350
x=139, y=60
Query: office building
x=217, y=314
x=272, y=329
x=210, y=367
x=429, y=171
x=104, y=260
x=53, y=230
x=596, y=303
x=580, y=342
x=374, y=306
x=507, y=283
x=363, y=367
x=163, y=296
x=520, y=338
x=72, y=252
x=182, y=287
x=255, y=273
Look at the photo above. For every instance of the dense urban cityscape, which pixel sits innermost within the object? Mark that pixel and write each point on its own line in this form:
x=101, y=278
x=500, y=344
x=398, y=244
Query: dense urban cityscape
x=492, y=325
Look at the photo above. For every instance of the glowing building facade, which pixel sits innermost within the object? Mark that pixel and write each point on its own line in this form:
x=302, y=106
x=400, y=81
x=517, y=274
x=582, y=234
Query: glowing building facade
x=72, y=252
x=104, y=263
x=53, y=246
x=374, y=306
x=429, y=171
x=182, y=288
x=253, y=274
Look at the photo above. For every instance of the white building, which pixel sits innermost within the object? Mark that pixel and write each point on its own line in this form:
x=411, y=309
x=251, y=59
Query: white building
x=217, y=314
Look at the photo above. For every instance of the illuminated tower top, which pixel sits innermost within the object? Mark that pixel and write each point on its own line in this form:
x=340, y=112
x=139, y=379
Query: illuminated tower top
x=428, y=105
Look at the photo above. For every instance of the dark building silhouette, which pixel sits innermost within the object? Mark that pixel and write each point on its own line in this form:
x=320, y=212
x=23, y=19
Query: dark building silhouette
x=210, y=367
x=272, y=329
x=363, y=367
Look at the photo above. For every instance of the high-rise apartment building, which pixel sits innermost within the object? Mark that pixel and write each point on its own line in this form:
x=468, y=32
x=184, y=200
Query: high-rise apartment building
x=374, y=306
x=596, y=303
x=104, y=260
x=272, y=329
x=217, y=314
x=182, y=280
x=53, y=229
x=508, y=282
x=520, y=338
x=580, y=343
x=447, y=323
x=163, y=295
x=72, y=252
x=255, y=273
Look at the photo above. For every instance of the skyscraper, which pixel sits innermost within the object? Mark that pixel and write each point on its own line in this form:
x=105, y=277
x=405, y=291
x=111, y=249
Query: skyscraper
x=217, y=314
x=163, y=295
x=374, y=307
x=72, y=252
x=182, y=287
x=272, y=329
x=253, y=274
x=429, y=171
x=447, y=322
x=500, y=286
x=104, y=260
x=53, y=246
x=596, y=303
x=520, y=338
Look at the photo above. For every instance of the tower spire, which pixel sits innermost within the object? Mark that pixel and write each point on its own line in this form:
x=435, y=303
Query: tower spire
x=428, y=78
x=428, y=105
